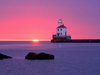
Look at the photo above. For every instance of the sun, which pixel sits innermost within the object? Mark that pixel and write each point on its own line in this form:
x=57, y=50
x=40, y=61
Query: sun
x=35, y=40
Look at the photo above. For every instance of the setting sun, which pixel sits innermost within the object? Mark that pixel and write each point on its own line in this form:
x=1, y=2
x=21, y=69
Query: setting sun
x=35, y=40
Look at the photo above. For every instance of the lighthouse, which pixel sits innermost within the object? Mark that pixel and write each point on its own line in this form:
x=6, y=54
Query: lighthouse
x=61, y=33
x=61, y=30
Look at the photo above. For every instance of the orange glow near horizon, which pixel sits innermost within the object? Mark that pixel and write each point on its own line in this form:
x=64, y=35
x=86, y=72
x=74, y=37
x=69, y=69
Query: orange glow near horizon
x=35, y=40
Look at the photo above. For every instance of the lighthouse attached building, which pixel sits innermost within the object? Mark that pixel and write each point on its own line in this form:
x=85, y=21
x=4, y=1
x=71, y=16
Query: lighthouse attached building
x=61, y=33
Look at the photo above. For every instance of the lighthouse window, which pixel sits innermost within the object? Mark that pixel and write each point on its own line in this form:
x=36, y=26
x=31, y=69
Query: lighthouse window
x=61, y=33
x=61, y=29
x=58, y=29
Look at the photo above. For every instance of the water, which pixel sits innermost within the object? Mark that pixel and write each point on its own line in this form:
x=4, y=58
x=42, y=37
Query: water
x=70, y=58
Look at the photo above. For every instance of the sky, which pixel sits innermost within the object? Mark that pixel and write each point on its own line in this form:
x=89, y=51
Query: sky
x=25, y=20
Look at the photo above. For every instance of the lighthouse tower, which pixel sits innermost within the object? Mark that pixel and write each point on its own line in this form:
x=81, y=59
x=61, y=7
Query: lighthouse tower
x=60, y=22
x=61, y=30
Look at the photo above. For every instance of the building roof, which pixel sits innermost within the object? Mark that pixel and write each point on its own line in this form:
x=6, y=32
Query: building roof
x=62, y=26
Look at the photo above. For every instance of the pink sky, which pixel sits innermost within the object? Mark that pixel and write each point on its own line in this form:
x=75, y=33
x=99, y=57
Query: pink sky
x=37, y=19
